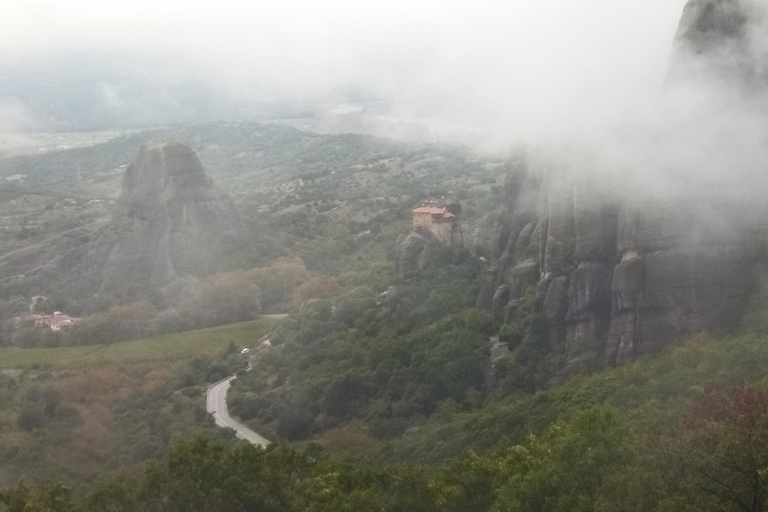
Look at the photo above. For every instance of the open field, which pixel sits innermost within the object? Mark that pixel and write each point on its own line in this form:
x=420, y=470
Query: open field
x=166, y=347
x=15, y=144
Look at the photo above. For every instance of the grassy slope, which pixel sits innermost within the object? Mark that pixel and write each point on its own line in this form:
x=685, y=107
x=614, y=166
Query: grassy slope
x=157, y=350
x=128, y=396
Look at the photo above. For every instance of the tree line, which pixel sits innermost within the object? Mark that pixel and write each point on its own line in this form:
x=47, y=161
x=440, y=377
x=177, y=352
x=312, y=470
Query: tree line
x=711, y=458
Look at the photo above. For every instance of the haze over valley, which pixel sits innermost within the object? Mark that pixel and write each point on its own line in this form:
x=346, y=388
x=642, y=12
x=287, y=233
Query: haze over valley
x=495, y=256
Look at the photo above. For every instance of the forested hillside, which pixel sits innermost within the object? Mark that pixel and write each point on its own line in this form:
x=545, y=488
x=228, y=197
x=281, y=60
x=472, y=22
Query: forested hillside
x=684, y=431
x=336, y=202
x=570, y=314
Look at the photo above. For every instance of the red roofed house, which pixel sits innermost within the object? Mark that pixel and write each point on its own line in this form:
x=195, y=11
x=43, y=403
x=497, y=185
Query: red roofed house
x=435, y=217
x=59, y=321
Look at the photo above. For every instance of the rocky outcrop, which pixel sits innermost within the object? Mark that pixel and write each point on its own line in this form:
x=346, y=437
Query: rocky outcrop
x=523, y=277
x=166, y=222
x=413, y=253
x=555, y=311
x=490, y=283
x=589, y=313
x=497, y=351
x=616, y=281
x=164, y=229
x=622, y=273
x=500, y=299
x=680, y=273
x=721, y=40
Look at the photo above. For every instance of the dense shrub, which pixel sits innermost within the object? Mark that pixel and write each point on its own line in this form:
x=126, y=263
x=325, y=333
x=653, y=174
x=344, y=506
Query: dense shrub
x=31, y=416
x=117, y=324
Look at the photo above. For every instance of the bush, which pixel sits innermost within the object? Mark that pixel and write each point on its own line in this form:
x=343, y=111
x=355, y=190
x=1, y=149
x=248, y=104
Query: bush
x=389, y=428
x=278, y=281
x=512, y=334
x=27, y=337
x=117, y=324
x=224, y=298
x=316, y=288
x=217, y=371
x=295, y=424
x=31, y=416
x=346, y=395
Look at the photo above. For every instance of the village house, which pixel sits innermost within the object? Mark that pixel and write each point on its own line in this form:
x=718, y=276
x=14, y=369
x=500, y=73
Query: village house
x=58, y=321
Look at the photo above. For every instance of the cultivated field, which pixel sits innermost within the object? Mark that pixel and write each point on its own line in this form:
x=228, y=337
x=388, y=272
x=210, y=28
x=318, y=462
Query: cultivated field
x=202, y=343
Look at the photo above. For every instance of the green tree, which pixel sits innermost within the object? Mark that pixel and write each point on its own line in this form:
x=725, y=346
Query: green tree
x=116, y=494
x=189, y=477
x=566, y=469
x=720, y=453
x=316, y=288
x=41, y=497
x=223, y=298
x=117, y=323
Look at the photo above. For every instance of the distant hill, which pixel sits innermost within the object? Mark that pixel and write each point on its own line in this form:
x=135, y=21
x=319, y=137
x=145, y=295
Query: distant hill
x=292, y=188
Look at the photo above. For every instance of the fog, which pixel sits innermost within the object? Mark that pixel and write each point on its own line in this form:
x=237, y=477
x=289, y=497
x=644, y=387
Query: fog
x=705, y=132
x=598, y=82
x=514, y=69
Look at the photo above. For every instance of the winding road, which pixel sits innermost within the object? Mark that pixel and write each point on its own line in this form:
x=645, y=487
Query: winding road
x=216, y=403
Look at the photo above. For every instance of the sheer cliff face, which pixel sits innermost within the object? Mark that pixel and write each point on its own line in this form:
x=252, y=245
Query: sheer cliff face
x=619, y=274
x=722, y=40
x=166, y=220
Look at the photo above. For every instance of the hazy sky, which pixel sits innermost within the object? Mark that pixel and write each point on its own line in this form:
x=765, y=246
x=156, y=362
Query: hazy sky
x=517, y=66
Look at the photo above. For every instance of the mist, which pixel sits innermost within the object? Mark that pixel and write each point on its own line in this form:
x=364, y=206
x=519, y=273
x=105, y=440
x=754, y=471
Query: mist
x=702, y=133
x=515, y=70
x=600, y=84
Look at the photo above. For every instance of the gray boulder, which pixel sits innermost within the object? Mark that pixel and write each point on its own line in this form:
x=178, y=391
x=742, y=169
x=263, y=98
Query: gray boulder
x=412, y=254
x=488, y=287
x=500, y=299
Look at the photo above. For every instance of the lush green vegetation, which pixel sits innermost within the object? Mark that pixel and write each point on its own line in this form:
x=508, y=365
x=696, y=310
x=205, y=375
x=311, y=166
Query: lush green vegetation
x=322, y=215
x=337, y=202
x=395, y=388
x=661, y=386
x=685, y=431
x=390, y=360
x=205, y=343
x=76, y=412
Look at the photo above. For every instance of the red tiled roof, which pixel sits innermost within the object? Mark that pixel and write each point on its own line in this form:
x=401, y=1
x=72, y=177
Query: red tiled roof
x=61, y=320
x=433, y=210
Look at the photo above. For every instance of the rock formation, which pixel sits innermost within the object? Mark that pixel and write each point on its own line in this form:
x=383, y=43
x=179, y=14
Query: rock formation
x=167, y=219
x=619, y=281
x=412, y=253
x=165, y=228
x=721, y=40
x=436, y=224
x=617, y=275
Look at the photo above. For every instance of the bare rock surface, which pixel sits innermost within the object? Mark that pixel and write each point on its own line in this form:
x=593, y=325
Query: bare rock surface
x=720, y=39
x=167, y=219
x=621, y=274
x=164, y=229
x=489, y=285
x=412, y=254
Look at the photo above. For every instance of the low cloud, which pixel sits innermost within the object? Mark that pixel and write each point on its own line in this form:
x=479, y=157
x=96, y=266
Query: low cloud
x=516, y=69
x=15, y=117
